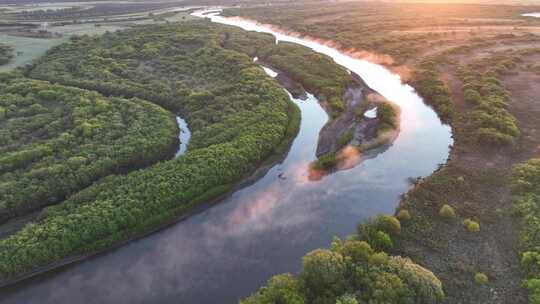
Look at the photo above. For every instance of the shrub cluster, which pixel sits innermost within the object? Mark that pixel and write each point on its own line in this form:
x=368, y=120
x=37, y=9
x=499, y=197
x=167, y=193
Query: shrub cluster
x=491, y=122
x=436, y=93
x=480, y=278
x=526, y=188
x=447, y=212
x=471, y=226
x=352, y=272
x=388, y=117
x=379, y=231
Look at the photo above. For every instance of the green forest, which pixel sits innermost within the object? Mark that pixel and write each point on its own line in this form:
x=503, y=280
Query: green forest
x=316, y=73
x=57, y=140
x=238, y=117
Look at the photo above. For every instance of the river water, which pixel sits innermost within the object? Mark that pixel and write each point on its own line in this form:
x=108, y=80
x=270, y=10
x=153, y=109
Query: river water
x=537, y=15
x=226, y=252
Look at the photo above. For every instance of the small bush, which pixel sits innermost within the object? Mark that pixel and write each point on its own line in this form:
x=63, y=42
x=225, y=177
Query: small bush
x=472, y=96
x=379, y=258
x=380, y=240
x=447, y=212
x=345, y=138
x=326, y=162
x=472, y=226
x=358, y=251
x=480, y=278
x=403, y=215
x=388, y=223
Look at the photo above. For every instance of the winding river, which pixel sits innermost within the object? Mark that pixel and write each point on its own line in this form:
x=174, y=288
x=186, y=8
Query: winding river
x=226, y=252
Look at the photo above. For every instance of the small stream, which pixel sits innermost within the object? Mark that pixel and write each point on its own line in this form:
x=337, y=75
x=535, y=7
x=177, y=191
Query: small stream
x=184, y=136
x=228, y=251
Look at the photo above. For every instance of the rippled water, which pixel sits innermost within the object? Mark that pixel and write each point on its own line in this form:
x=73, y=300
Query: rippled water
x=226, y=252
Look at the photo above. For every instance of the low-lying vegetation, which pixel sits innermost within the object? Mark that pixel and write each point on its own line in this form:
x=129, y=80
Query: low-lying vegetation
x=490, y=121
x=387, y=114
x=526, y=187
x=355, y=271
x=435, y=92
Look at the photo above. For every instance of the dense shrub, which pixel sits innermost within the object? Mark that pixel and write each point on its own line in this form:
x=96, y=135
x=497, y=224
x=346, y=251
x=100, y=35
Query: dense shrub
x=480, y=278
x=403, y=215
x=471, y=226
x=352, y=272
x=436, y=93
x=378, y=231
x=387, y=223
x=387, y=114
x=326, y=161
x=490, y=122
x=345, y=138
x=447, y=212
x=526, y=187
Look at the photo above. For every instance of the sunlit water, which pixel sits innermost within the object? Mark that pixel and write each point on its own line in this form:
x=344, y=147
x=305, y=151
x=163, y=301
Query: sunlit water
x=537, y=15
x=226, y=252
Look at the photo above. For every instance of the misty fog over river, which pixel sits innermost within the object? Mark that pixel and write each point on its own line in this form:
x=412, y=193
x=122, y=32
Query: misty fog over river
x=228, y=251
